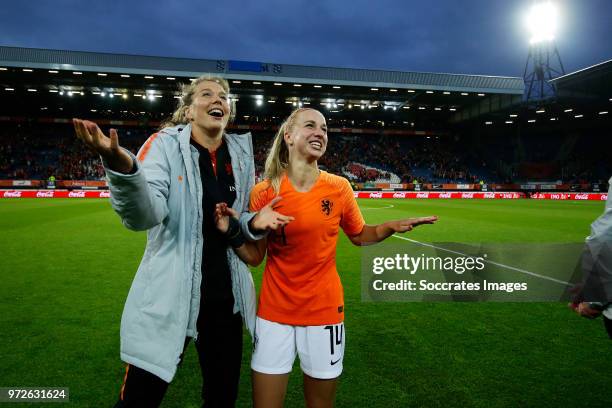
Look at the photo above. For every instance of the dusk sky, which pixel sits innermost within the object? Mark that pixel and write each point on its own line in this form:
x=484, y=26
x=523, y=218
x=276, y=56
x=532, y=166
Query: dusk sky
x=457, y=36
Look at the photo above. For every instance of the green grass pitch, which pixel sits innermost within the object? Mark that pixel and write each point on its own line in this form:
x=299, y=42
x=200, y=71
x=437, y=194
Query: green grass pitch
x=66, y=267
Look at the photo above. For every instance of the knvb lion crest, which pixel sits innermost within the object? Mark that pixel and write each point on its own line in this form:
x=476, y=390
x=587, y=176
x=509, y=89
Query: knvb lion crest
x=326, y=206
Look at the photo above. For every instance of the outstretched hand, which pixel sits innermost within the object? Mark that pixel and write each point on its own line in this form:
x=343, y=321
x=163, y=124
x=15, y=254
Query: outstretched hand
x=408, y=224
x=106, y=146
x=584, y=309
x=268, y=218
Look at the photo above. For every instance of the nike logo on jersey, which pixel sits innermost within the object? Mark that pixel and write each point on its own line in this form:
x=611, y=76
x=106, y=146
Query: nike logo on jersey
x=334, y=362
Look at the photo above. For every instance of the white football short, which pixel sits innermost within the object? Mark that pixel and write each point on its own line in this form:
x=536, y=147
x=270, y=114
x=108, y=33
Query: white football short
x=320, y=348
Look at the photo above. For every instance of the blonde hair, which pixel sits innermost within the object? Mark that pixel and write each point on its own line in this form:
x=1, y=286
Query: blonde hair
x=179, y=116
x=278, y=157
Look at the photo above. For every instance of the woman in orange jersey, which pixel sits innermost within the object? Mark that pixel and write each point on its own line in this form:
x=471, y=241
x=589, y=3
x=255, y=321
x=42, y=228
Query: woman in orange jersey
x=301, y=305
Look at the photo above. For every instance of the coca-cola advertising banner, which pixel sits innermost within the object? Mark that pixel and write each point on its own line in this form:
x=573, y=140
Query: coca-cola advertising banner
x=570, y=196
x=53, y=194
x=358, y=194
x=439, y=194
x=481, y=195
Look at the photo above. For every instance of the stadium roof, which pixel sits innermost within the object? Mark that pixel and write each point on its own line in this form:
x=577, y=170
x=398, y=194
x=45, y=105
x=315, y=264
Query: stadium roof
x=183, y=67
x=592, y=82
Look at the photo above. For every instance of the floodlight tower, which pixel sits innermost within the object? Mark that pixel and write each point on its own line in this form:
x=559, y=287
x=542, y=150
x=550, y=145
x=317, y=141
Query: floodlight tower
x=543, y=61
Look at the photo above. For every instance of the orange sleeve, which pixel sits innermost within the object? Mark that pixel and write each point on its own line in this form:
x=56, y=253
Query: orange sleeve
x=352, y=221
x=259, y=196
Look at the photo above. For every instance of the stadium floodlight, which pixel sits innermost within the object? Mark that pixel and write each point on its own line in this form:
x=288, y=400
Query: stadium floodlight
x=27, y=70
x=52, y=71
x=411, y=91
x=488, y=123
x=256, y=83
x=429, y=92
x=278, y=84
x=481, y=94
x=568, y=110
x=148, y=77
x=542, y=22
x=9, y=89
x=297, y=85
x=3, y=69
x=464, y=94
x=103, y=94
x=540, y=111
x=101, y=74
x=32, y=90
x=77, y=73
x=603, y=112
x=446, y=93
x=336, y=87
x=531, y=121
x=258, y=102
x=578, y=116
x=125, y=76
x=317, y=86
x=392, y=90
x=373, y=89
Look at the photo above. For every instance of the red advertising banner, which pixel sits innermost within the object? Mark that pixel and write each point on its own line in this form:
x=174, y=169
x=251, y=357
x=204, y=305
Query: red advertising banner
x=570, y=196
x=53, y=194
x=439, y=194
x=358, y=194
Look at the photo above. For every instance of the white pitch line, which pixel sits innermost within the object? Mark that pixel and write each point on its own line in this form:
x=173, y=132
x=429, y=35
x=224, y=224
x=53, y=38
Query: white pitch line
x=378, y=208
x=526, y=272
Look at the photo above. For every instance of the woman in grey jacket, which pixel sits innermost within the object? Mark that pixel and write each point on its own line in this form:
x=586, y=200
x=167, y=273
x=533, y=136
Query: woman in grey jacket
x=190, y=279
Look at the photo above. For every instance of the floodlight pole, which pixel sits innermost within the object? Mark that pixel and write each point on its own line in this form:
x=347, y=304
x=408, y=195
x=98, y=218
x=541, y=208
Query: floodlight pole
x=542, y=70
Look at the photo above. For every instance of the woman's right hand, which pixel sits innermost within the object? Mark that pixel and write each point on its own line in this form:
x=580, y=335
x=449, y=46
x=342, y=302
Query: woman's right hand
x=107, y=147
x=269, y=219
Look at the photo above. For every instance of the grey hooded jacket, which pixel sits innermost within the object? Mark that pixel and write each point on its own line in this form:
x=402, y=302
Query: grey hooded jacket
x=164, y=197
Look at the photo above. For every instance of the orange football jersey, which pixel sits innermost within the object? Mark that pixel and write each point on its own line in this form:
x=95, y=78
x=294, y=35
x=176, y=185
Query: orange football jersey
x=300, y=284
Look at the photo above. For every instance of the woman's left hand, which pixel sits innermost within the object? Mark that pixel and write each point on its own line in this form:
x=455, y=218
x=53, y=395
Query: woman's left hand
x=409, y=223
x=222, y=214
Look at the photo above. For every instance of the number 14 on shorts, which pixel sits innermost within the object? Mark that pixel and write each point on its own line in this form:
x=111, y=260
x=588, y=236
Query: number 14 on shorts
x=336, y=334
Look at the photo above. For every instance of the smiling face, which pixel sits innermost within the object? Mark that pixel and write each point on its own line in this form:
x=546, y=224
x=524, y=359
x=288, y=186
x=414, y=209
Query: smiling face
x=307, y=138
x=209, y=109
